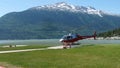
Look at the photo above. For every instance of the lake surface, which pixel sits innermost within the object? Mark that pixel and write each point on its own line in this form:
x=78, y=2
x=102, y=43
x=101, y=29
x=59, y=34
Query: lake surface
x=30, y=42
x=54, y=41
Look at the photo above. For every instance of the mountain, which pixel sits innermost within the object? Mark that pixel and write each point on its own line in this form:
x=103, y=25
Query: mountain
x=62, y=6
x=53, y=21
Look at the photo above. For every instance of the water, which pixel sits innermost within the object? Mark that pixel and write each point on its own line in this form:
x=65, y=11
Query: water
x=54, y=41
x=30, y=42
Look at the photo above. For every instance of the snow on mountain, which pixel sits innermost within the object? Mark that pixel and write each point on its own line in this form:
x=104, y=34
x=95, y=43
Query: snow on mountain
x=64, y=6
x=91, y=10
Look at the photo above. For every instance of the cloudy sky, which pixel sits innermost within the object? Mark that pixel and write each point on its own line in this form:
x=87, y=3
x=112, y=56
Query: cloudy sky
x=7, y=6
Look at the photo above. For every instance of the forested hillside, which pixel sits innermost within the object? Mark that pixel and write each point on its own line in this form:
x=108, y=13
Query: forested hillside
x=112, y=33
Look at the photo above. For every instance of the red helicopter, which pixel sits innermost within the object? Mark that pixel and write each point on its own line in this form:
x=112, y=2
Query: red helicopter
x=68, y=40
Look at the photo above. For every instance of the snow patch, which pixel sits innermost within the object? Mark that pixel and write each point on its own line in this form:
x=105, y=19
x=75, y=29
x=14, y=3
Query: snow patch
x=64, y=6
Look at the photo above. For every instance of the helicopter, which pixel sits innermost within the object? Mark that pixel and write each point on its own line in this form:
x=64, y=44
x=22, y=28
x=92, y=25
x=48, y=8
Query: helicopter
x=68, y=40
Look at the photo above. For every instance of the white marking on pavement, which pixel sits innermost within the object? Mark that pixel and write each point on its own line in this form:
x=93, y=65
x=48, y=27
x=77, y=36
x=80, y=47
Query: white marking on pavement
x=25, y=50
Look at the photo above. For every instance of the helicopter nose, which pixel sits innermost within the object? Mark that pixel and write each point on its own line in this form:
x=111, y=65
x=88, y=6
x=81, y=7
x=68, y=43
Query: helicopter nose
x=61, y=40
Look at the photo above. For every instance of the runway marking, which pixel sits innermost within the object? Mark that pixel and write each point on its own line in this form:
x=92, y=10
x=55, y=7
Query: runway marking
x=26, y=50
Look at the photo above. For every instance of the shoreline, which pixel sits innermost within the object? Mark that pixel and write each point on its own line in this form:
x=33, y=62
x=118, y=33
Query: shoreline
x=107, y=38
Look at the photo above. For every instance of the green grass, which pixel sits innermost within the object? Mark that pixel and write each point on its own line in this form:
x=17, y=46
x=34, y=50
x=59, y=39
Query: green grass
x=89, y=56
